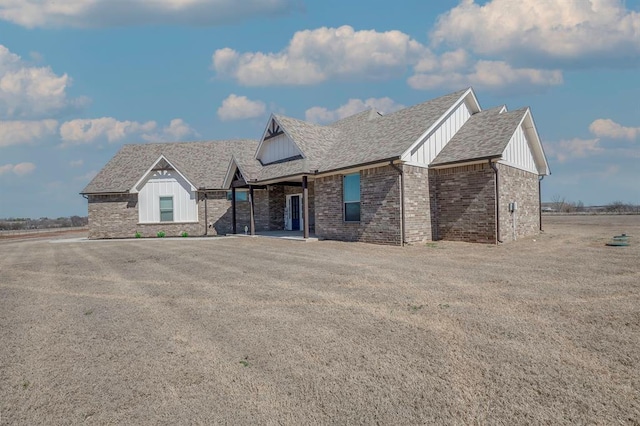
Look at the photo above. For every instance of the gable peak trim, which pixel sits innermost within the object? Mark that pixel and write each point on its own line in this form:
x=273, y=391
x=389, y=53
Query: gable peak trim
x=161, y=159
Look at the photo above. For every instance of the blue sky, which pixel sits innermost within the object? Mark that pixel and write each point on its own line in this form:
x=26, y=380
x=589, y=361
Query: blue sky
x=80, y=78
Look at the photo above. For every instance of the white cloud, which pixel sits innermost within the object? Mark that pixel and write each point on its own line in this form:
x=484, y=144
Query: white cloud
x=574, y=148
x=608, y=128
x=32, y=92
x=177, y=130
x=240, y=107
x=568, y=32
x=488, y=75
x=19, y=169
x=353, y=106
x=24, y=132
x=313, y=56
x=86, y=131
x=103, y=13
x=76, y=163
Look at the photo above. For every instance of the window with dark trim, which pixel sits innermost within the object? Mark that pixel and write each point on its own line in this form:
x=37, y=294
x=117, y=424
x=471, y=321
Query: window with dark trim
x=351, y=197
x=166, y=209
x=240, y=195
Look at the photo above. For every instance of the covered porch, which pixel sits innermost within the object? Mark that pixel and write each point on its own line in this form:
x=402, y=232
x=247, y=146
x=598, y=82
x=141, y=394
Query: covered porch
x=278, y=209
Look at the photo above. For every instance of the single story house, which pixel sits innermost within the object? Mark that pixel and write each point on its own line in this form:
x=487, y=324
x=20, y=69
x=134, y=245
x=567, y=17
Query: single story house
x=441, y=170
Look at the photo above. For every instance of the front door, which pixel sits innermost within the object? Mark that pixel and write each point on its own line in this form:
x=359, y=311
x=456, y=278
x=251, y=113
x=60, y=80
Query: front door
x=293, y=213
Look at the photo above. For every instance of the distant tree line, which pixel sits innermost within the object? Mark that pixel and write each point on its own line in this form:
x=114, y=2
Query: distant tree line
x=561, y=205
x=19, y=223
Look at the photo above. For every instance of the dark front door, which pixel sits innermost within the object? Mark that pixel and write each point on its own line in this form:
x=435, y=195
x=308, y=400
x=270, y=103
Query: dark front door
x=295, y=212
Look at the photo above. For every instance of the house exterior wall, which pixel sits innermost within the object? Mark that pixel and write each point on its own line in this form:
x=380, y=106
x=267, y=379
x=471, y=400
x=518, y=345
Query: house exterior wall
x=116, y=216
x=417, y=204
x=379, y=208
x=277, y=202
x=164, y=183
x=522, y=187
x=463, y=203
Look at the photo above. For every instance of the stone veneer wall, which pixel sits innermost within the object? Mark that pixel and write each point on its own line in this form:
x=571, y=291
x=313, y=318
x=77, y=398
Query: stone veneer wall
x=522, y=187
x=463, y=203
x=379, y=208
x=417, y=205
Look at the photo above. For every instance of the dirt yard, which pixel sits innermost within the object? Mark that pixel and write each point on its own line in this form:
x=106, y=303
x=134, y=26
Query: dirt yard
x=263, y=331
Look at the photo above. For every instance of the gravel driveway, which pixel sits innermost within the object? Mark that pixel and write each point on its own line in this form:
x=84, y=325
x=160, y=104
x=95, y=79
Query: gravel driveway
x=265, y=331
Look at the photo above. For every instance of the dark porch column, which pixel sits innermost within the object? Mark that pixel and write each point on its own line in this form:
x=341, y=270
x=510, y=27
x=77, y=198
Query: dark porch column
x=252, y=217
x=305, y=204
x=234, y=229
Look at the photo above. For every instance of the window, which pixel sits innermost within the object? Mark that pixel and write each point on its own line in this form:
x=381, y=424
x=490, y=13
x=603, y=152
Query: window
x=166, y=209
x=351, y=196
x=240, y=195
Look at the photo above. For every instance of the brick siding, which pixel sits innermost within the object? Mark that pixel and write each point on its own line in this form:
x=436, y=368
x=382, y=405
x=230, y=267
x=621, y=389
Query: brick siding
x=116, y=216
x=379, y=208
x=463, y=203
x=522, y=187
x=417, y=204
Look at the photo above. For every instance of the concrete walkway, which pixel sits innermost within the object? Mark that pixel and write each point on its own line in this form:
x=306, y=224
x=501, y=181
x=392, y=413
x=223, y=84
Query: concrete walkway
x=285, y=235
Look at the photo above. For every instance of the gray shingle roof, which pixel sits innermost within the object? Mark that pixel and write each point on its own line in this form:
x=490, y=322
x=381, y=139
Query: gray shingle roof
x=204, y=164
x=313, y=139
x=366, y=137
x=363, y=138
x=485, y=135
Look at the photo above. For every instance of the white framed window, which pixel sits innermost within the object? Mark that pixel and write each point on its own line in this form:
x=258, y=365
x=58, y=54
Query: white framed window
x=351, y=197
x=166, y=209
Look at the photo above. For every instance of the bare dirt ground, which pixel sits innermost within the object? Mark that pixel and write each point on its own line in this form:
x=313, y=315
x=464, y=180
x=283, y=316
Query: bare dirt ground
x=263, y=331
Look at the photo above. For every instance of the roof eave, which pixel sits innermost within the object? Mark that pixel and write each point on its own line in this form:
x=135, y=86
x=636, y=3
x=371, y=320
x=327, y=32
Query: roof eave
x=466, y=160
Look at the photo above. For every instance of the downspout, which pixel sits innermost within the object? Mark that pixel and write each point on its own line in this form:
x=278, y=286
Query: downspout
x=401, y=175
x=497, y=181
x=540, y=200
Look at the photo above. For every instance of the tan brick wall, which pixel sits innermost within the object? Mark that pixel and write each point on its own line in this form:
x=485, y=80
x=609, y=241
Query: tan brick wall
x=522, y=187
x=417, y=204
x=379, y=208
x=116, y=216
x=113, y=216
x=463, y=203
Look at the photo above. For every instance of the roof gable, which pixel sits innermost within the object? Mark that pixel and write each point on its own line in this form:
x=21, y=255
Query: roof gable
x=488, y=134
x=276, y=145
x=367, y=137
x=159, y=165
x=203, y=164
x=485, y=135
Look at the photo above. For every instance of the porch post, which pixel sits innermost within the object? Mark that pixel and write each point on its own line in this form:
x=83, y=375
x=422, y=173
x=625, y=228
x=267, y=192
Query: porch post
x=233, y=210
x=305, y=204
x=251, y=215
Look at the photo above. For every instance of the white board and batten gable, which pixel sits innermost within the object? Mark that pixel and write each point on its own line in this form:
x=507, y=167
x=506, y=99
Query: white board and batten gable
x=524, y=150
x=276, y=145
x=429, y=145
x=164, y=180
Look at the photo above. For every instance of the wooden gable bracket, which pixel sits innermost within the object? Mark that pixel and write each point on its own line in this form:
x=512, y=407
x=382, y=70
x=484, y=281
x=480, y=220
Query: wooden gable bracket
x=273, y=130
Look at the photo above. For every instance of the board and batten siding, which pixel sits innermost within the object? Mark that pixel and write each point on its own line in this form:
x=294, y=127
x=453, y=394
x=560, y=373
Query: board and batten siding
x=278, y=148
x=518, y=153
x=167, y=183
x=426, y=151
